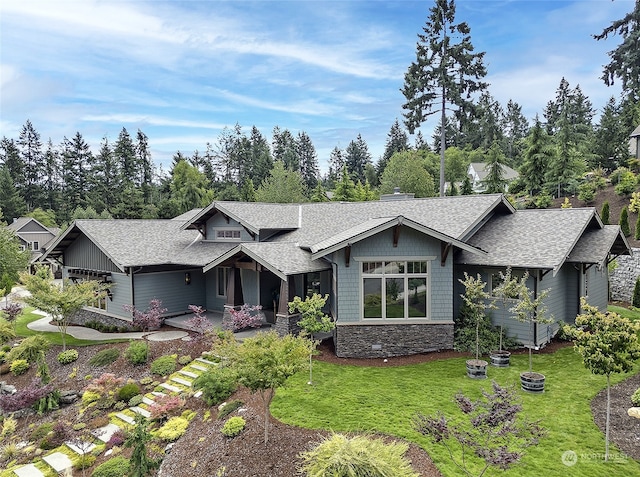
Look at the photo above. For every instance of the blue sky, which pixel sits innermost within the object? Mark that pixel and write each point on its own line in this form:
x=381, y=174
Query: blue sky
x=183, y=70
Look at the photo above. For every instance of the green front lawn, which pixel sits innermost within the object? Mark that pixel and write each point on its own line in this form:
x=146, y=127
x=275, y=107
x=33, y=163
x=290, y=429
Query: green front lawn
x=348, y=398
x=633, y=315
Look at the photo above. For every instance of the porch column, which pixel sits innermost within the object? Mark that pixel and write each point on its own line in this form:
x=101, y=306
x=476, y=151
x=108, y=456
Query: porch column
x=287, y=323
x=234, y=293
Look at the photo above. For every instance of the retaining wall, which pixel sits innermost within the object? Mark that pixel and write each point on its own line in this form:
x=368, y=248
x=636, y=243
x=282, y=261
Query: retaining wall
x=623, y=278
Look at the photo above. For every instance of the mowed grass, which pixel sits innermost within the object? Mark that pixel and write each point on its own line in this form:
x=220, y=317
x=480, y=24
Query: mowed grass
x=55, y=338
x=633, y=315
x=385, y=399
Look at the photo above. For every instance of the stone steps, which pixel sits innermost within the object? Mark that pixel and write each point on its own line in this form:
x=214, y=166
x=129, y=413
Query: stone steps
x=58, y=461
x=104, y=433
x=84, y=448
x=147, y=400
x=199, y=367
x=29, y=470
x=184, y=382
x=139, y=410
x=189, y=374
x=126, y=418
x=169, y=387
x=206, y=361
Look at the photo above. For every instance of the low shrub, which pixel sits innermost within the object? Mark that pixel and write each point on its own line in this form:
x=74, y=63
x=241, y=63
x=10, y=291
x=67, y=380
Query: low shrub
x=98, y=422
x=233, y=426
x=3, y=355
x=84, y=461
x=25, y=397
x=358, y=456
x=164, y=365
x=9, y=426
x=228, y=408
x=184, y=360
x=89, y=397
x=9, y=451
x=116, y=439
x=137, y=352
x=163, y=406
x=104, y=357
x=216, y=385
x=635, y=398
x=78, y=426
x=146, y=380
x=115, y=467
x=135, y=400
x=41, y=431
x=173, y=429
x=29, y=349
x=19, y=366
x=127, y=391
x=68, y=356
x=7, y=333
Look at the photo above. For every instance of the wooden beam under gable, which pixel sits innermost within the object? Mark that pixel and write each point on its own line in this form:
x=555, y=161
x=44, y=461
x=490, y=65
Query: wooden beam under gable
x=445, y=247
x=396, y=235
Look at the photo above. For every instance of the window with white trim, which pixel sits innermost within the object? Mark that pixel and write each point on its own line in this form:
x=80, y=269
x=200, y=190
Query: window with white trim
x=393, y=289
x=222, y=281
x=227, y=234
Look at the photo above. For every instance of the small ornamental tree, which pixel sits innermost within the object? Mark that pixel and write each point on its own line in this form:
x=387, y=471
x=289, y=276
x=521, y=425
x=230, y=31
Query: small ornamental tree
x=608, y=343
x=530, y=310
x=478, y=301
x=245, y=317
x=140, y=464
x=605, y=213
x=494, y=432
x=624, y=222
x=199, y=323
x=508, y=289
x=61, y=303
x=264, y=362
x=314, y=320
x=11, y=312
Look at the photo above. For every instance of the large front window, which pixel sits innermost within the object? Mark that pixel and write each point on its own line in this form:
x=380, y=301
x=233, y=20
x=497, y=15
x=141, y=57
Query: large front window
x=395, y=289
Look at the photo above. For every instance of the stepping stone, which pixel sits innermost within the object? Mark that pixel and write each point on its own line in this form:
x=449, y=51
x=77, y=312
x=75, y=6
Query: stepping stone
x=147, y=401
x=197, y=394
x=125, y=418
x=85, y=448
x=59, y=461
x=206, y=361
x=199, y=367
x=158, y=393
x=188, y=373
x=105, y=433
x=184, y=382
x=139, y=410
x=173, y=389
x=29, y=470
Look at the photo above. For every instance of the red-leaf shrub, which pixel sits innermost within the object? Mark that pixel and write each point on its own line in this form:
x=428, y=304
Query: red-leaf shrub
x=26, y=397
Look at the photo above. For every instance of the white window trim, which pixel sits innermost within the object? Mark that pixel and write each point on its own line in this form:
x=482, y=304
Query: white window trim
x=496, y=271
x=233, y=230
x=406, y=319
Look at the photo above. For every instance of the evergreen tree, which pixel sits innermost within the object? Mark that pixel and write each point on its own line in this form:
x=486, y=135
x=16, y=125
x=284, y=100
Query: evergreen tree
x=604, y=215
x=356, y=158
x=636, y=234
x=261, y=160
x=537, y=158
x=420, y=144
x=189, y=187
x=624, y=61
x=336, y=164
x=516, y=129
x=635, y=301
x=131, y=204
x=445, y=72
x=12, y=160
x=624, y=222
x=248, y=191
x=124, y=153
x=495, y=181
x=76, y=155
x=30, y=148
x=319, y=194
x=488, y=125
x=51, y=180
x=406, y=170
x=145, y=166
x=308, y=160
x=467, y=187
x=345, y=189
x=611, y=146
x=451, y=132
x=104, y=179
x=284, y=149
x=12, y=204
x=397, y=141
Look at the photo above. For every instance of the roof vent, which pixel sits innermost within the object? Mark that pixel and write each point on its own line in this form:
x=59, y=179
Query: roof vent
x=397, y=195
x=396, y=190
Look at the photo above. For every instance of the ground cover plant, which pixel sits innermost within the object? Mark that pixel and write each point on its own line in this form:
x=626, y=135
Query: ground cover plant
x=349, y=398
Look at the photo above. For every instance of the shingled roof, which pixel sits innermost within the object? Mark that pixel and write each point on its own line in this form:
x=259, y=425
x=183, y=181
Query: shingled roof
x=541, y=239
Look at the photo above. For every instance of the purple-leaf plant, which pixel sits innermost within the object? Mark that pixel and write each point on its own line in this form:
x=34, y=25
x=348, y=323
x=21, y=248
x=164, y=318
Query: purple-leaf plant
x=149, y=319
x=12, y=311
x=199, y=323
x=26, y=397
x=245, y=317
x=493, y=431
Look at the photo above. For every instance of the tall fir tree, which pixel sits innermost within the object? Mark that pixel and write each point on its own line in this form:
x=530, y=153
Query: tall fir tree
x=446, y=72
x=611, y=146
x=104, y=177
x=516, y=129
x=145, y=166
x=397, y=141
x=357, y=156
x=124, y=153
x=537, y=158
x=12, y=160
x=51, y=181
x=494, y=181
x=308, y=160
x=30, y=147
x=261, y=159
x=76, y=155
x=284, y=149
x=12, y=205
x=336, y=163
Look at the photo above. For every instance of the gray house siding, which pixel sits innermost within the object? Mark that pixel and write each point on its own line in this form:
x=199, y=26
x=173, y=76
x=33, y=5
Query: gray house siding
x=219, y=222
x=250, y=287
x=41, y=237
x=121, y=293
x=355, y=336
x=171, y=289
x=212, y=300
x=598, y=287
x=83, y=253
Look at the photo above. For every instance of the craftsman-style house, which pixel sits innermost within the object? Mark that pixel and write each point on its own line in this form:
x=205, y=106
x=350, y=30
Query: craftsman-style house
x=391, y=268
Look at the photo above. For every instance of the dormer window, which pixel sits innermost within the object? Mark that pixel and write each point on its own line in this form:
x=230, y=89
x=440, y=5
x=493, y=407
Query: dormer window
x=227, y=234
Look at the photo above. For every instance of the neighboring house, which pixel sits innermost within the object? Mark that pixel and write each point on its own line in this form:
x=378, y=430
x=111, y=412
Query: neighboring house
x=478, y=173
x=390, y=267
x=33, y=235
x=634, y=143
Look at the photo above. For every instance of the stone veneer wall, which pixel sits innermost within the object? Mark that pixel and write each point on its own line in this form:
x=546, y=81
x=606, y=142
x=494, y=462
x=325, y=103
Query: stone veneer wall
x=383, y=341
x=623, y=278
x=287, y=324
x=86, y=315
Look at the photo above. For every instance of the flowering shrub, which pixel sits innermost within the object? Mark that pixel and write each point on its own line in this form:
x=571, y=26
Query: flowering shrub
x=26, y=397
x=245, y=317
x=165, y=405
x=199, y=323
x=116, y=439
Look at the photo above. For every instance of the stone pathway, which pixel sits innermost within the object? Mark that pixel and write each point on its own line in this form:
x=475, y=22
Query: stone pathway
x=177, y=383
